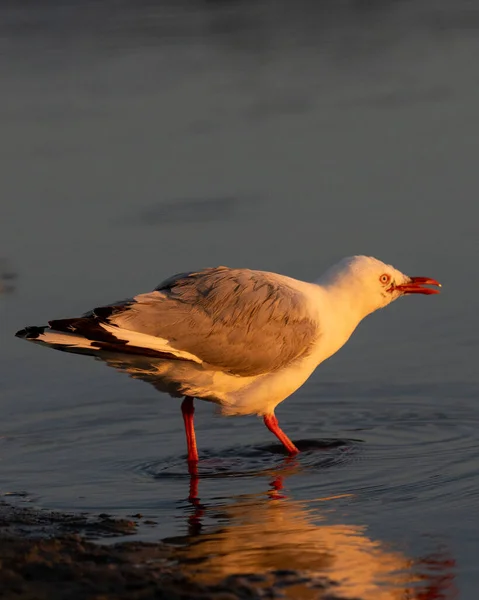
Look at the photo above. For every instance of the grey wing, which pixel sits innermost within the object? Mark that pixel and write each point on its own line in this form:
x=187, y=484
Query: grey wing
x=241, y=321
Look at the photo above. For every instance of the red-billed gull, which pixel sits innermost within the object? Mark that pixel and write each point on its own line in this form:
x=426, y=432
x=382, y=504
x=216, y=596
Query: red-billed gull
x=243, y=339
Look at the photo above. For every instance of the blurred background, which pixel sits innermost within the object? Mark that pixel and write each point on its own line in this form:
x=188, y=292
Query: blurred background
x=139, y=139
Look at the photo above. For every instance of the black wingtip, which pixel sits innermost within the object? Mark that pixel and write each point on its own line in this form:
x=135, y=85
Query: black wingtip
x=30, y=333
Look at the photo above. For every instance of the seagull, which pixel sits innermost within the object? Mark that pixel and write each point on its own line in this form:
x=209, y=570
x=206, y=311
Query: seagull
x=243, y=339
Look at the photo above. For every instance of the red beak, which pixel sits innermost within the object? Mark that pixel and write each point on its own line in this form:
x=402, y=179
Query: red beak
x=415, y=285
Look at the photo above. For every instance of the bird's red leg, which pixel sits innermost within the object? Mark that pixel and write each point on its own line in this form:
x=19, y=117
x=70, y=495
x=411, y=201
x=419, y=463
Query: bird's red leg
x=271, y=423
x=188, y=410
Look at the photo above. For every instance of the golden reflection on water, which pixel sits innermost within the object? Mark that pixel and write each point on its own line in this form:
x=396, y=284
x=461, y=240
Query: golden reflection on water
x=262, y=533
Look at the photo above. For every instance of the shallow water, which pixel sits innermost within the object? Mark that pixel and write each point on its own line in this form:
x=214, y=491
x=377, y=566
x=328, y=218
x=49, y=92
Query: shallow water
x=140, y=142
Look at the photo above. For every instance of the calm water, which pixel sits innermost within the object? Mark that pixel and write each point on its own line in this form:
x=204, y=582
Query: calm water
x=139, y=141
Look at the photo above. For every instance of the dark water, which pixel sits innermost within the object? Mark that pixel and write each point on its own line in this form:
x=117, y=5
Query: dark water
x=140, y=140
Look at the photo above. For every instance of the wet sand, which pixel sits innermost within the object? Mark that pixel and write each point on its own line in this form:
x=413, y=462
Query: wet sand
x=53, y=555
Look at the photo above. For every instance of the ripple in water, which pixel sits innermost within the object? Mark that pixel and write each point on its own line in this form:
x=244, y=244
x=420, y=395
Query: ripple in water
x=254, y=461
x=416, y=460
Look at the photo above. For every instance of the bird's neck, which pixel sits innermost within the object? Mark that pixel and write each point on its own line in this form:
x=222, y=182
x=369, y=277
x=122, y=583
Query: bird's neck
x=348, y=297
x=344, y=311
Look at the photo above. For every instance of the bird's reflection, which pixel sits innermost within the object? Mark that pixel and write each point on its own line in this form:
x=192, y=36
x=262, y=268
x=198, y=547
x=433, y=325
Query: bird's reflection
x=269, y=535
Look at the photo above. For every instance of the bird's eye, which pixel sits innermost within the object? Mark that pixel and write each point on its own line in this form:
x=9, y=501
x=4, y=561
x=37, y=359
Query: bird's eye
x=385, y=278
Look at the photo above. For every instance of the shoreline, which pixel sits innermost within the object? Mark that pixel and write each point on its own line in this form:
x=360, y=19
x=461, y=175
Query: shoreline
x=51, y=555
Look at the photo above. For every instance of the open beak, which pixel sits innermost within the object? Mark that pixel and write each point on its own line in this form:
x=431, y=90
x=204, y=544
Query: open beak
x=415, y=285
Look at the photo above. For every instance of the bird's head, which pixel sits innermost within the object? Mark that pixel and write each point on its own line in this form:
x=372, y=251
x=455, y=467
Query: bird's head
x=374, y=284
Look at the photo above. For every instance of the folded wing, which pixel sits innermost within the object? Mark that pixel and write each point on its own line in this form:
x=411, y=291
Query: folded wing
x=236, y=320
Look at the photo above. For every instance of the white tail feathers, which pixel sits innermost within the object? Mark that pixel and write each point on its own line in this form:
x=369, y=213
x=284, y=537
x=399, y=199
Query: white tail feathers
x=120, y=340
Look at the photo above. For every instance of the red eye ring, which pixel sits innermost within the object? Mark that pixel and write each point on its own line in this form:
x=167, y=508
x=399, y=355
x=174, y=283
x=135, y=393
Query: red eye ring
x=385, y=278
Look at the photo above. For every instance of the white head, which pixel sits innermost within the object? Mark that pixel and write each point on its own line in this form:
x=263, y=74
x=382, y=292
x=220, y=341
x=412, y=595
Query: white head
x=370, y=284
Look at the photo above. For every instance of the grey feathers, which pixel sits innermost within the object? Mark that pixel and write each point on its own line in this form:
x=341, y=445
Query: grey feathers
x=240, y=321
